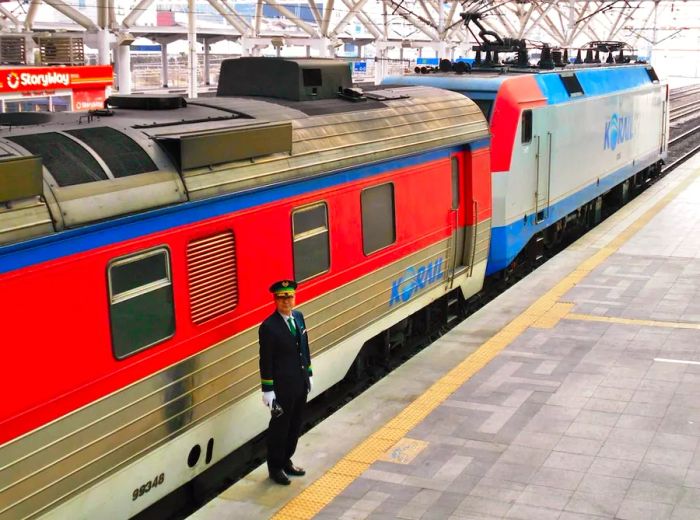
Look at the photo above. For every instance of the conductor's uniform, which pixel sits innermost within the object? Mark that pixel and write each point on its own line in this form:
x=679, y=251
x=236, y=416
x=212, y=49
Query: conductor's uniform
x=285, y=371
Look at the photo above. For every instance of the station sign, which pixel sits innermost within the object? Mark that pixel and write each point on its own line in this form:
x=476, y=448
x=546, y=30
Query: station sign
x=27, y=79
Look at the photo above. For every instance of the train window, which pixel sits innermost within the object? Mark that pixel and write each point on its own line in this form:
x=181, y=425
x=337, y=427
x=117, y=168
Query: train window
x=526, y=127
x=68, y=162
x=455, y=183
x=311, y=243
x=211, y=272
x=378, y=220
x=652, y=75
x=571, y=84
x=122, y=155
x=141, y=307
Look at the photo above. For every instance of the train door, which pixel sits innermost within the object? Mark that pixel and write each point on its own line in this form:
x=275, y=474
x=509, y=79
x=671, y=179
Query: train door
x=458, y=233
x=664, y=123
x=543, y=167
x=463, y=213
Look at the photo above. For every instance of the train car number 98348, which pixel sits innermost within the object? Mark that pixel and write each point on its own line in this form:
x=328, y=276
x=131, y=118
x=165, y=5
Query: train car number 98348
x=145, y=488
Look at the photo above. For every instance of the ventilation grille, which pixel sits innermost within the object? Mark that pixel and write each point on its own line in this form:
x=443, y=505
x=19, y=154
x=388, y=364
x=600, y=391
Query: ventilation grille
x=211, y=264
x=62, y=51
x=12, y=50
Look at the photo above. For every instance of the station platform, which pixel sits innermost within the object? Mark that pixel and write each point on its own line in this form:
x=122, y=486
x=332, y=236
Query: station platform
x=571, y=396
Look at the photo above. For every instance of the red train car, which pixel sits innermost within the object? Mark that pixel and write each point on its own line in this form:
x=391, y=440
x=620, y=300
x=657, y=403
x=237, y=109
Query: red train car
x=137, y=246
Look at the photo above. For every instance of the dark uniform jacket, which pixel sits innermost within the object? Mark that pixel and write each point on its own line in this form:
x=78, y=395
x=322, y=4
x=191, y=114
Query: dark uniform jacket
x=285, y=362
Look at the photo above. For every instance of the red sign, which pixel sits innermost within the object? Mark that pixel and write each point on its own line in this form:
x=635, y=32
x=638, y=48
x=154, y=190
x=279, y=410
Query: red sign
x=23, y=79
x=84, y=100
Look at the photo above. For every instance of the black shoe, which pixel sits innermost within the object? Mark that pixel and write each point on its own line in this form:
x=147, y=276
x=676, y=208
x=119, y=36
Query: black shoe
x=280, y=477
x=291, y=469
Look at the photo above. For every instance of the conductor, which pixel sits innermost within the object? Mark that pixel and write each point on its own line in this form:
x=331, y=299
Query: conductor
x=285, y=371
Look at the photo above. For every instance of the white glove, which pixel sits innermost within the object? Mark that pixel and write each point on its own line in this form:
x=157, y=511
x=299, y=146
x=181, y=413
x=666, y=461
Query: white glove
x=311, y=383
x=268, y=397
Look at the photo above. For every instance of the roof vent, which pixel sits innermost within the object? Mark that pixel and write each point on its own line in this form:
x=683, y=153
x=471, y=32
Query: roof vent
x=302, y=79
x=147, y=102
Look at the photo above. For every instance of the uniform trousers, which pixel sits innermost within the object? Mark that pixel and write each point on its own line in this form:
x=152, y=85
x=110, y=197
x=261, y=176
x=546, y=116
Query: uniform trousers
x=283, y=431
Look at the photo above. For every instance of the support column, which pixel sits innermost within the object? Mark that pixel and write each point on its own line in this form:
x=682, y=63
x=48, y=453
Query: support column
x=192, y=44
x=441, y=50
x=207, y=81
x=124, y=68
x=245, y=47
x=164, y=64
x=380, y=66
x=103, y=47
x=323, y=44
x=29, y=49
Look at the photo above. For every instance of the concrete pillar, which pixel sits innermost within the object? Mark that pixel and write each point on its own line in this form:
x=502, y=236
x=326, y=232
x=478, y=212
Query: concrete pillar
x=324, y=48
x=164, y=64
x=308, y=51
x=124, y=68
x=206, y=62
x=29, y=49
x=380, y=66
x=192, y=54
x=103, y=47
x=441, y=50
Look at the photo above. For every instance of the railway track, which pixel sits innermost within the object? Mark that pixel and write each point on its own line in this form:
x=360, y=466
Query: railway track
x=683, y=92
x=235, y=466
x=684, y=117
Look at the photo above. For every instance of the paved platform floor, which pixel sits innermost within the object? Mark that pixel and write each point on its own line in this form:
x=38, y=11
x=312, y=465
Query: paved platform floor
x=574, y=395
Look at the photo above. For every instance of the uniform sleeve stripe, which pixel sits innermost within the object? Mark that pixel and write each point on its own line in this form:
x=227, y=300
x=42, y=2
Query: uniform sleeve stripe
x=267, y=381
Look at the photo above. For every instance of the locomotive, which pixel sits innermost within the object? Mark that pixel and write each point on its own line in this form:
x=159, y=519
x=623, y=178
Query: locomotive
x=137, y=244
x=563, y=140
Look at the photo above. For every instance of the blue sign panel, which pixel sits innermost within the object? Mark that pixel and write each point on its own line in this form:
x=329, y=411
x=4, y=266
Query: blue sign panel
x=360, y=66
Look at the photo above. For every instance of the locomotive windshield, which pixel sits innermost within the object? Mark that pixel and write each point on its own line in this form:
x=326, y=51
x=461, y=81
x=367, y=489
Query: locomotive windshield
x=485, y=106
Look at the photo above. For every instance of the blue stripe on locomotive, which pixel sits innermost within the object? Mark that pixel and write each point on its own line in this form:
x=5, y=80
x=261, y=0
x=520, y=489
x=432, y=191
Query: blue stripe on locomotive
x=52, y=247
x=507, y=241
x=595, y=82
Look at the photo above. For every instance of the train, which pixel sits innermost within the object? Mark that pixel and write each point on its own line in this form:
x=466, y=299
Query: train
x=137, y=243
x=561, y=141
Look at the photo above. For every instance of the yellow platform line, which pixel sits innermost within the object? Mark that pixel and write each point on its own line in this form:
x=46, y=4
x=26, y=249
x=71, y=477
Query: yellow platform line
x=632, y=321
x=320, y=493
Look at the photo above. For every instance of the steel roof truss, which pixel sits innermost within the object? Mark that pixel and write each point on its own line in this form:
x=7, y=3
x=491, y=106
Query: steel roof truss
x=347, y=18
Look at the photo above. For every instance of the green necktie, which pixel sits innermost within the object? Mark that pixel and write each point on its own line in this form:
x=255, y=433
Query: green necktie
x=292, y=328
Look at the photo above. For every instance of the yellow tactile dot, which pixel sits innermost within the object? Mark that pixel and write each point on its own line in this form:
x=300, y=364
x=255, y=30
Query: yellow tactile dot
x=390, y=434
x=370, y=450
x=283, y=515
x=553, y=315
x=349, y=468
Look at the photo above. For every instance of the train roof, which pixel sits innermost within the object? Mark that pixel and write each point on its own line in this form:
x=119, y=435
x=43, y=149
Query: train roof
x=555, y=84
x=65, y=170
